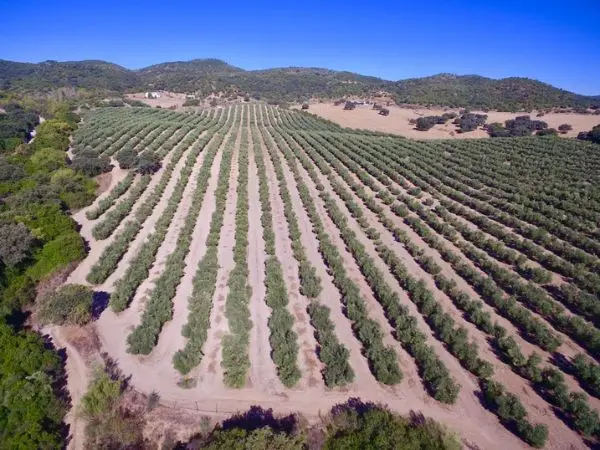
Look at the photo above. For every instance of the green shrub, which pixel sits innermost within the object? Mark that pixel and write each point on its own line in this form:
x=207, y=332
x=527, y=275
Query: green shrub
x=32, y=411
x=57, y=254
x=70, y=305
x=16, y=243
x=259, y=439
x=356, y=425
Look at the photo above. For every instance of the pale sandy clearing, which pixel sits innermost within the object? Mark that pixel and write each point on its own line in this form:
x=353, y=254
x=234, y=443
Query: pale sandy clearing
x=364, y=117
x=167, y=100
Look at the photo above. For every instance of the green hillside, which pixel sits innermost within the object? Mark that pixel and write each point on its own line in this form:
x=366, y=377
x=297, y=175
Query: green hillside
x=479, y=92
x=287, y=84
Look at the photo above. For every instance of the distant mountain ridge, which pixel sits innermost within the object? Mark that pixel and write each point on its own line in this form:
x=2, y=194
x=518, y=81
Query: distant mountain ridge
x=290, y=83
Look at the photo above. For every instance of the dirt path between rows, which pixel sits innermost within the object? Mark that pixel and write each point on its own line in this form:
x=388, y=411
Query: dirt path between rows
x=210, y=372
x=263, y=373
x=308, y=363
x=82, y=356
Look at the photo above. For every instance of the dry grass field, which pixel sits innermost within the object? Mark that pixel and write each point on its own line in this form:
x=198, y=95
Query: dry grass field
x=364, y=117
x=281, y=260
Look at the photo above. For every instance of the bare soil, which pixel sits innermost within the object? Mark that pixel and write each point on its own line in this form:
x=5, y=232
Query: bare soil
x=167, y=100
x=364, y=117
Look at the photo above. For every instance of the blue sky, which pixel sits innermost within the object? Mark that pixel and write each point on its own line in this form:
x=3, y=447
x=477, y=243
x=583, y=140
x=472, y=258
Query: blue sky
x=556, y=42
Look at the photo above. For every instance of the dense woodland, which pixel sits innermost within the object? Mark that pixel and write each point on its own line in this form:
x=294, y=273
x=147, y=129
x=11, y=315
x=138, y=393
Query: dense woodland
x=288, y=84
x=38, y=239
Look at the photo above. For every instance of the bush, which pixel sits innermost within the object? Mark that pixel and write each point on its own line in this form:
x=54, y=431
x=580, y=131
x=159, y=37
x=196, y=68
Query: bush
x=470, y=122
x=70, y=305
x=32, y=410
x=109, y=423
x=425, y=123
x=258, y=439
x=20, y=292
x=547, y=132
x=564, y=128
x=147, y=163
x=16, y=242
x=57, y=254
x=191, y=102
x=48, y=159
x=592, y=136
x=519, y=126
x=10, y=172
x=356, y=425
x=91, y=166
x=127, y=158
x=101, y=397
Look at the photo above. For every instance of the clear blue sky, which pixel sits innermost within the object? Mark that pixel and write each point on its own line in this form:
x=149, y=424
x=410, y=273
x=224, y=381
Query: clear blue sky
x=554, y=41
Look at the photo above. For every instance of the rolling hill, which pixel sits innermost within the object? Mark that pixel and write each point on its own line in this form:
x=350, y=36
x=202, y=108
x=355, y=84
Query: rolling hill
x=480, y=92
x=52, y=74
x=288, y=84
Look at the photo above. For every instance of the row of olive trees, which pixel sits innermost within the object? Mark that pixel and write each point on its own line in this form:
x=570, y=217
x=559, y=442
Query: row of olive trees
x=433, y=172
x=204, y=284
x=104, y=204
x=434, y=373
x=541, y=236
x=583, y=418
x=99, y=130
x=283, y=340
x=159, y=306
x=553, y=198
x=532, y=328
x=436, y=376
x=236, y=360
x=112, y=254
x=551, y=384
x=575, y=299
x=456, y=339
x=334, y=355
x=588, y=374
x=581, y=331
x=310, y=284
x=114, y=217
x=154, y=133
x=382, y=360
x=584, y=279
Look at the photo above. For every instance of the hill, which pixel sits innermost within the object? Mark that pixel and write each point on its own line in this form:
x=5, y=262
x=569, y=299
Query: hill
x=52, y=74
x=288, y=84
x=506, y=94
